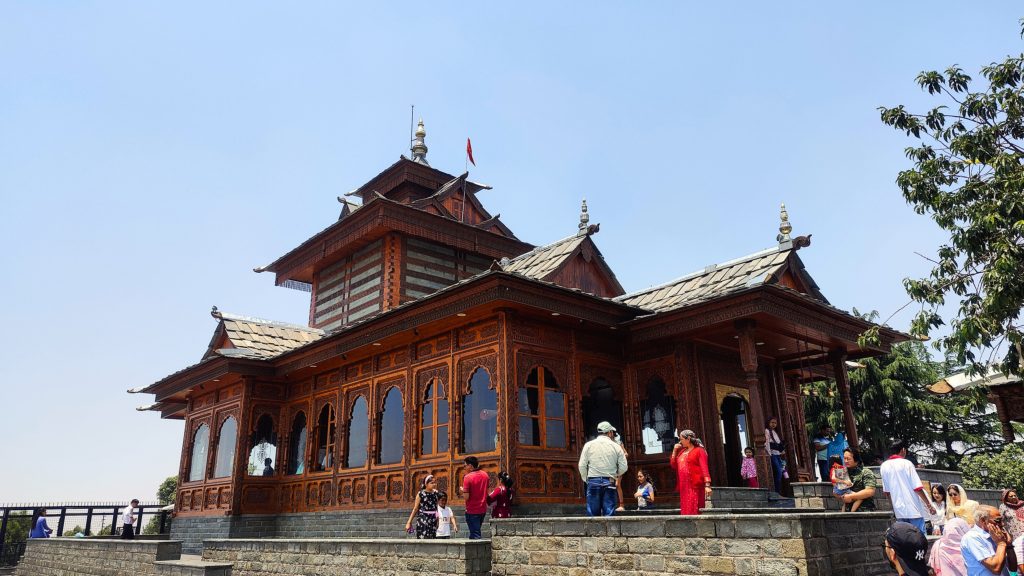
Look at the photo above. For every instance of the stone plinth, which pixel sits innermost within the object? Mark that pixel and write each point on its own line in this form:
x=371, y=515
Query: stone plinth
x=363, y=557
x=771, y=544
x=94, y=556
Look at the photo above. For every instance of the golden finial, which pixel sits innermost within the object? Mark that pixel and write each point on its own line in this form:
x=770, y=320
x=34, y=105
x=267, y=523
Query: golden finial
x=784, y=226
x=584, y=219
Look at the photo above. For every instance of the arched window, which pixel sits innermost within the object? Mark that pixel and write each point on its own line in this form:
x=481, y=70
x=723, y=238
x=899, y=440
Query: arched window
x=200, y=447
x=658, y=414
x=542, y=411
x=358, y=435
x=600, y=405
x=297, y=446
x=263, y=448
x=479, y=415
x=391, y=429
x=325, y=431
x=226, y=440
x=434, y=420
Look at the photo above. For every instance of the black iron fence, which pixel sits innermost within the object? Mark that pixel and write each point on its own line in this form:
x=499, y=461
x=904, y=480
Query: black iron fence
x=90, y=518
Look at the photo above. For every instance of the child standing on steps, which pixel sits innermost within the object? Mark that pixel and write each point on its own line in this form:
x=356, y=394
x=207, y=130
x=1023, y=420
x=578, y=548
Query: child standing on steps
x=445, y=517
x=841, y=483
x=748, y=469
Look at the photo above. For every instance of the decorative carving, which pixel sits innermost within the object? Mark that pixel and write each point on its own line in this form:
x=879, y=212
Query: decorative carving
x=531, y=479
x=590, y=372
x=487, y=361
x=382, y=388
x=477, y=334
x=425, y=376
x=269, y=391
x=434, y=347
x=722, y=390
x=540, y=335
x=527, y=360
x=359, y=370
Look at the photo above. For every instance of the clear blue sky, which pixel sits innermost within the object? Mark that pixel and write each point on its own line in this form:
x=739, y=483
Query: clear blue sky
x=152, y=154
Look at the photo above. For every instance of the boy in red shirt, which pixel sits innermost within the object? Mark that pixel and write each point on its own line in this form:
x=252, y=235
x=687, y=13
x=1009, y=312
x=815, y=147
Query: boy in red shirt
x=474, y=490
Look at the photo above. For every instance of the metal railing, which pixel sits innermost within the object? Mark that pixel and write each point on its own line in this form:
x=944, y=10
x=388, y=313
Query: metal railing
x=16, y=522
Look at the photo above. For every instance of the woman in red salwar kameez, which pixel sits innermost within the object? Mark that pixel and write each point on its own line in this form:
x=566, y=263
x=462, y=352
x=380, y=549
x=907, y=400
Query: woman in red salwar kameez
x=690, y=462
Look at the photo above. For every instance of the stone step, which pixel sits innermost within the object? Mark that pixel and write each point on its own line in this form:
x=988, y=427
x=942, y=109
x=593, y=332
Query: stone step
x=191, y=565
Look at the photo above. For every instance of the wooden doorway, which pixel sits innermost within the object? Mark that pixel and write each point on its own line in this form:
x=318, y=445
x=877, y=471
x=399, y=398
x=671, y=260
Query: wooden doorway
x=735, y=422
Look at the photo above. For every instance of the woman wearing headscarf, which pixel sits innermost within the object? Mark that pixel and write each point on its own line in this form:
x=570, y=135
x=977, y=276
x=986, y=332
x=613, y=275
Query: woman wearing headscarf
x=959, y=505
x=945, y=558
x=690, y=462
x=1012, y=511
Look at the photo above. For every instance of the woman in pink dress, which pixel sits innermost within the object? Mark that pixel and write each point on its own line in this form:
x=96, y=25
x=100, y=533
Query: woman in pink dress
x=690, y=462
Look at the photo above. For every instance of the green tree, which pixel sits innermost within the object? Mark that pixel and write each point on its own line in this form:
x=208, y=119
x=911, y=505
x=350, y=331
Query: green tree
x=996, y=469
x=890, y=401
x=166, y=494
x=968, y=175
x=19, y=524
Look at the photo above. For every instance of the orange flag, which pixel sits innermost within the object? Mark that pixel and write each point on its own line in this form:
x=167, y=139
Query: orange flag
x=469, y=151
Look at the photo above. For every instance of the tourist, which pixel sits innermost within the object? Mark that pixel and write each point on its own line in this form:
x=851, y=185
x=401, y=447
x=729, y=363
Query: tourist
x=959, y=505
x=904, y=487
x=748, y=468
x=984, y=546
x=906, y=548
x=693, y=480
x=602, y=462
x=445, y=517
x=268, y=467
x=424, y=509
x=501, y=497
x=864, y=482
x=776, y=448
x=1012, y=511
x=128, y=521
x=474, y=490
x=841, y=483
x=39, y=527
x=946, y=559
x=821, y=442
x=938, y=519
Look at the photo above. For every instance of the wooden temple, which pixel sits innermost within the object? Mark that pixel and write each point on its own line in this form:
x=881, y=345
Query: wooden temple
x=435, y=333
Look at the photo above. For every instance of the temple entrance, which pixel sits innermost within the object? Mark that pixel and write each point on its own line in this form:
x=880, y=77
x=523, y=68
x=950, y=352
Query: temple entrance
x=600, y=405
x=736, y=435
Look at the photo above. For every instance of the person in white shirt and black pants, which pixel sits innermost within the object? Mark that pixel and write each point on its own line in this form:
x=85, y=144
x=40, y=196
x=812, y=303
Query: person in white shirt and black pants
x=128, y=521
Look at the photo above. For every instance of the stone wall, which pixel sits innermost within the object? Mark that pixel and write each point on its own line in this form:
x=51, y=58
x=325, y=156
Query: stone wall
x=336, y=557
x=94, y=557
x=770, y=544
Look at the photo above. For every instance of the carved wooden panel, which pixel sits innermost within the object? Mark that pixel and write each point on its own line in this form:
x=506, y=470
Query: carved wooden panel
x=229, y=393
x=593, y=343
x=300, y=389
x=381, y=388
x=562, y=479
x=477, y=334
x=424, y=376
x=396, y=487
x=434, y=347
x=360, y=490
x=379, y=488
x=327, y=380
x=662, y=368
x=537, y=334
x=392, y=359
x=590, y=372
x=527, y=360
x=358, y=370
x=441, y=476
x=532, y=479
x=269, y=391
x=204, y=401
x=488, y=361
x=258, y=499
x=345, y=491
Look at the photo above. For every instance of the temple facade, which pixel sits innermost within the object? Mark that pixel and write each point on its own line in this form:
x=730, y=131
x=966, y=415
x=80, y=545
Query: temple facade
x=435, y=333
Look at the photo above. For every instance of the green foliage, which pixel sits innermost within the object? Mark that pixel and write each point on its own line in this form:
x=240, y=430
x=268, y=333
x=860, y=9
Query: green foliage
x=890, y=401
x=19, y=524
x=73, y=531
x=995, y=470
x=968, y=175
x=167, y=491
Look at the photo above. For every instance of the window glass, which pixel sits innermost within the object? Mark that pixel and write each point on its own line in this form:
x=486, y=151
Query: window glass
x=325, y=431
x=226, y=441
x=658, y=416
x=263, y=448
x=542, y=411
x=358, y=435
x=200, y=446
x=297, y=448
x=479, y=415
x=600, y=405
x=434, y=420
x=392, y=428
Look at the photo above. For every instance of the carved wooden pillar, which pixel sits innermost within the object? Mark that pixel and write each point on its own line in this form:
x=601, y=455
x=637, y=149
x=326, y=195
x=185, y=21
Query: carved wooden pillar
x=838, y=358
x=748, y=360
x=1004, y=416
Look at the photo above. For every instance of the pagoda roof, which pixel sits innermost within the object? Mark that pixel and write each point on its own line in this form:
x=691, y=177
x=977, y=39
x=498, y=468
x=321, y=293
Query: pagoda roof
x=543, y=262
x=717, y=280
x=256, y=338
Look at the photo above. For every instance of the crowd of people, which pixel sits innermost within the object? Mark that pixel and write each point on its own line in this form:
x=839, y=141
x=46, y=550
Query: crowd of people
x=431, y=517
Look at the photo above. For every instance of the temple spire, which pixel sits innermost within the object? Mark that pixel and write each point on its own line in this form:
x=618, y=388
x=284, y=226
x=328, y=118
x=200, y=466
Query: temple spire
x=784, y=226
x=419, y=146
x=584, y=219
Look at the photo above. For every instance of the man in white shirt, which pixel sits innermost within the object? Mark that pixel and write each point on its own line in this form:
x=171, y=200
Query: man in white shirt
x=602, y=461
x=901, y=482
x=984, y=546
x=128, y=521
